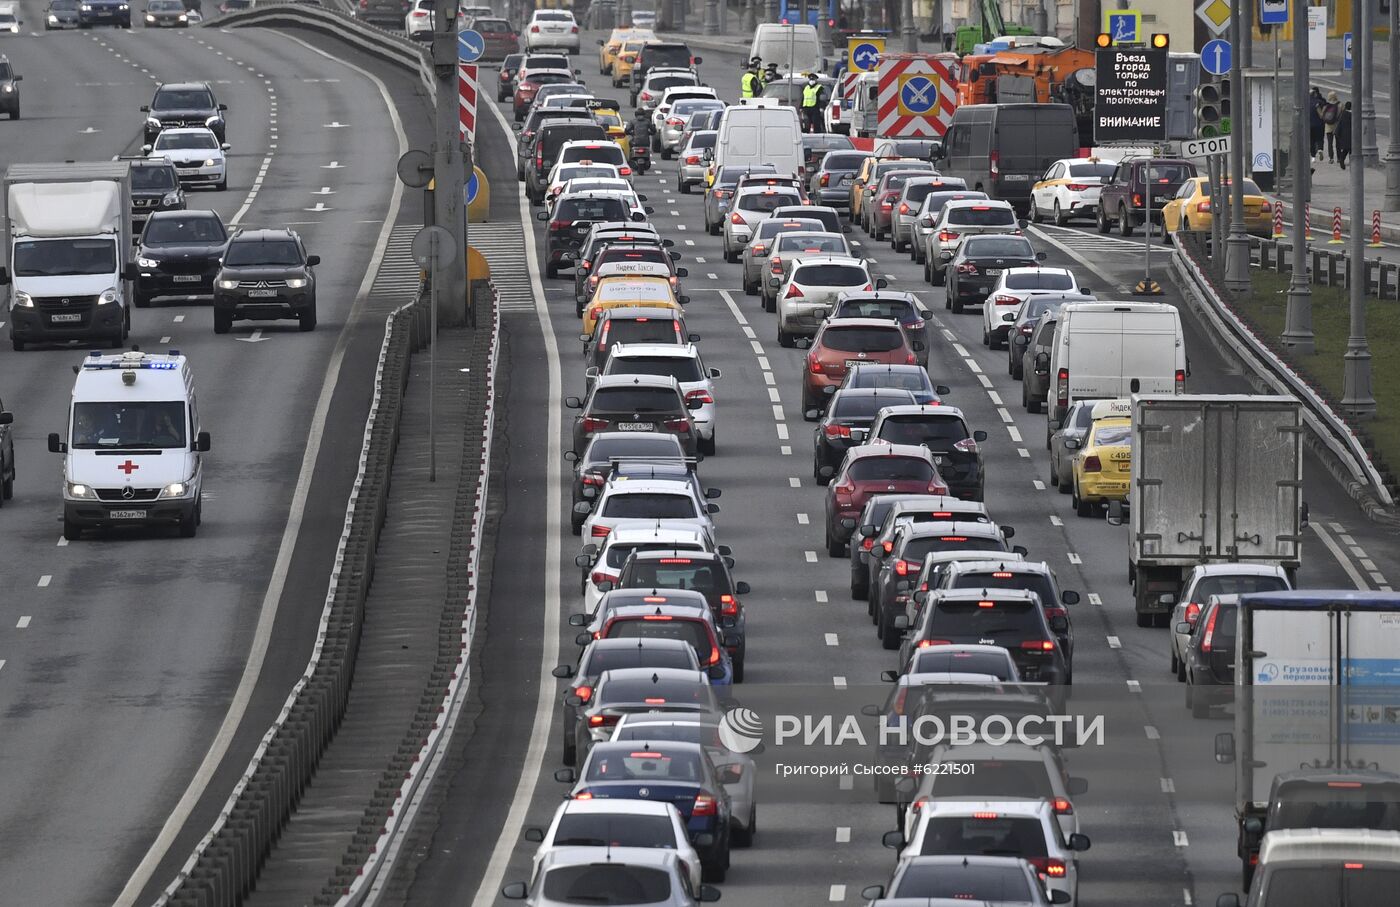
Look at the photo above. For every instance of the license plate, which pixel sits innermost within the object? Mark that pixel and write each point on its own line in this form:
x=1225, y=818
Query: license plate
x=993, y=272
x=59, y=319
x=262, y=294
x=186, y=278
x=1014, y=177
x=1120, y=455
x=127, y=514
x=852, y=363
x=635, y=426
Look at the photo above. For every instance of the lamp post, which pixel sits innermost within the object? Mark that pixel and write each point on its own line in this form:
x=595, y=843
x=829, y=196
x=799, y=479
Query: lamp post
x=1392, y=148
x=1356, y=376
x=1298, y=330
x=1237, y=244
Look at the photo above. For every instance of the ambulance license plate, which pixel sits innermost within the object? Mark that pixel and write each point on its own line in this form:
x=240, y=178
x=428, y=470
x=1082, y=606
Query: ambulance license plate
x=71, y=316
x=127, y=514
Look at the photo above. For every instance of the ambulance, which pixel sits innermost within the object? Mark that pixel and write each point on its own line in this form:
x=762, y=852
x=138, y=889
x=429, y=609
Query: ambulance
x=132, y=452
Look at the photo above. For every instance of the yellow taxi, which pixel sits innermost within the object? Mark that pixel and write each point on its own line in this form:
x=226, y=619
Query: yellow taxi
x=626, y=58
x=629, y=290
x=1103, y=459
x=1190, y=208
x=610, y=118
x=609, y=49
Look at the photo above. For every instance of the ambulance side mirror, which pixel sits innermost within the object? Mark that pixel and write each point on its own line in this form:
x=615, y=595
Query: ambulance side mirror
x=201, y=442
x=56, y=445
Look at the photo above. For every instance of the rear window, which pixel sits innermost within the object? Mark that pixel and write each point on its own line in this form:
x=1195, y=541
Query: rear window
x=766, y=200
x=1302, y=887
x=681, y=368
x=1039, y=280
x=553, y=17
x=895, y=181
x=603, y=152
x=913, y=148
x=550, y=78
x=636, y=689
x=998, y=247
x=982, y=216
x=649, y=505
x=862, y=339
x=892, y=469
x=938, y=433
x=917, y=549
x=837, y=160
x=1001, y=883
x=1113, y=435
x=1318, y=805
x=996, y=779
x=865, y=406
x=610, y=659
x=680, y=732
x=652, y=330
x=1225, y=622
x=990, y=834
x=1168, y=173
x=661, y=83
x=654, y=255
x=666, y=55
x=916, y=193
x=691, y=631
x=728, y=176
x=636, y=399
x=1101, y=170
x=1236, y=585
x=606, y=883
x=1038, y=583
x=932, y=661
x=614, y=830
x=591, y=209
x=893, y=309
x=697, y=575
x=1000, y=620
x=810, y=242
x=882, y=169
x=644, y=765
x=491, y=26
x=936, y=200
x=833, y=276
x=617, y=554
x=702, y=140
x=602, y=450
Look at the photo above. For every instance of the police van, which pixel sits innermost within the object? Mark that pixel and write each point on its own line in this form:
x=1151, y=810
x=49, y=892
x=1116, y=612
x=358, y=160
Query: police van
x=132, y=454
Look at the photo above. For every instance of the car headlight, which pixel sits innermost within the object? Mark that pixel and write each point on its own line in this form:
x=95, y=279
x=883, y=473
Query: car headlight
x=123, y=7
x=152, y=122
x=79, y=490
x=174, y=490
x=183, y=17
x=22, y=300
x=211, y=162
x=147, y=263
x=86, y=7
x=296, y=283
x=226, y=284
x=9, y=88
x=211, y=121
x=108, y=296
x=171, y=198
x=150, y=18
x=53, y=18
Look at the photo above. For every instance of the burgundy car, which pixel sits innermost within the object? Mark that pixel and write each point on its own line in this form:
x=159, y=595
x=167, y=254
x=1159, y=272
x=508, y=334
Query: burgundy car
x=500, y=38
x=525, y=91
x=872, y=469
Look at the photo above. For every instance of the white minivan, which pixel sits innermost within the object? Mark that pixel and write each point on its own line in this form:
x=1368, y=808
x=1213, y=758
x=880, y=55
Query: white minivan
x=760, y=131
x=1105, y=350
x=792, y=48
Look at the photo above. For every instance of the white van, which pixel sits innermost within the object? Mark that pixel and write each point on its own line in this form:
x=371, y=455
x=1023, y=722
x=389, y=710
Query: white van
x=793, y=48
x=760, y=131
x=860, y=110
x=132, y=454
x=1111, y=350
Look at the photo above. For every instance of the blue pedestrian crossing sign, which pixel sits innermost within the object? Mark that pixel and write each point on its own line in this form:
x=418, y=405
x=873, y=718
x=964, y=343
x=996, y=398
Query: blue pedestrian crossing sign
x=1346, y=52
x=1216, y=57
x=865, y=53
x=1124, y=26
x=918, y=95
x=470, y=46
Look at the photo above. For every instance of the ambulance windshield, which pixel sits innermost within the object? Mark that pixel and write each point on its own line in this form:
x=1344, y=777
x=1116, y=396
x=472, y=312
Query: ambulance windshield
x=129, y=425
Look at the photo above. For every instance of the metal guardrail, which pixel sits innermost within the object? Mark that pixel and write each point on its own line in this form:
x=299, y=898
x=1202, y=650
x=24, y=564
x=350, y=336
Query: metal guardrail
x=1326, y=425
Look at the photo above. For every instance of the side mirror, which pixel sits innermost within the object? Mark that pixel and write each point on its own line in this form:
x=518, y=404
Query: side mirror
x=667, y=243
x=573, y=701
x=145, y=108
x=703, y=839
x=1166, y=598
x=534, y=834
x=712, y=508
x=542, y=215
x=515, y=891
x=1040, y=256
x=676, y=256
x=56, y=445
x=979, y=435
x=18, y=78
x=591, y=372
x=715, y=672
x=901, y=622
x=225, y=146
x=1076, y=786
x=680, y=272
x=1008, y=532
x=601, y=42
x=925, y=314
x=724, y=551
x=712, y=493
x=683, y=300
x=848, y=524
x=716, y=374
x=606, y=585
x=1072, y=444
x=693, y=337
x=1086, y=291
x=881, y=283
x=583, y=561
x=826, y=472
x=1069, y=597
x=583, y=508
x=223, y=107
x=1023, y=223
x=1078, y=843
x=583, y=639
x=889, y=676
x=707, y=894
x=565, y=776
x=578, y=620
x=1061, y=897
x=1225, y=748
x=313, y=260
x=742, y=588
x=1184, y=627
x=942, y=390
x=871, y=711
x=201, y=442
x=145, y=149
x=731, y=640
x=872, y=892
x=1228, y=900
x=868, y=530
x=1020, y=549
x=570, y=456
x=563, y=672
x=893, y=839
x=730, y=774
x=7, y=418
x=573, y=403
x=1253, y=826
x=774, y=282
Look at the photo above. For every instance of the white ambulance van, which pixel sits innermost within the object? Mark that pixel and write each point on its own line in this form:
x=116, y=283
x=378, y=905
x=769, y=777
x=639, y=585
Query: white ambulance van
x=132, y=451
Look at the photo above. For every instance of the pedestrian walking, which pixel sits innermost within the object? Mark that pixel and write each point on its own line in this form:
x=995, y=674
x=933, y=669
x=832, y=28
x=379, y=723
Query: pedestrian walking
x=1315, y=124
x=1344, y=135
x=1331, y=113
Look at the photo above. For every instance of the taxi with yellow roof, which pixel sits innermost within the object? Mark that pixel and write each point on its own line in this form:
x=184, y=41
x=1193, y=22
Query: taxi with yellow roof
x=609, y=49
x=608, y=114
x=1192, y=208
x=627, y=58
x=630, y=290
x=1070, y=188
x=1103, y=459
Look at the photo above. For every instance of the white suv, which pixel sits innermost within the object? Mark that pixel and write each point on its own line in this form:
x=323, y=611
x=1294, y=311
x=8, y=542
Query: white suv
x=552, y=28
x=418, y=23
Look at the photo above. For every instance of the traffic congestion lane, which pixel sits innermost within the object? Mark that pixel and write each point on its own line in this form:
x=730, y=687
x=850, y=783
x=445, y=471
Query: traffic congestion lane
x=135, y=646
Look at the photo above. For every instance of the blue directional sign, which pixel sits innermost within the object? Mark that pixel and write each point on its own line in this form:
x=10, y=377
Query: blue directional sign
x=863, y=56
x=1346, y=52
x=918, y=95
x=472, y=186
x=1123, y=26
x=1216, y=56
x=1273, y=12
x=470, y=46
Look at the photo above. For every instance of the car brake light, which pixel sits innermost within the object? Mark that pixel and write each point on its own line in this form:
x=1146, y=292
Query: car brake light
x=1208, y=639
x=885, y=206
x=903, y=208
x=601, y=532
x=919, y=804
x=728, y=604
x=583, y=796
x=759, y=248
x=1180, y=381
x=911, y=359
x=1007, y=300
x=1092, y=464
x=1354, y=785
x=705, y=805
x=699, y=395
x=646, y=96
x=594, y=424
x=994, y=159
x=692, y=159
x=1137, y=200
x=584, y=692
x=825, y=180
x=1203, y=207
x=678, y=425
x=1063, y=807
x=534, y=29
x=1193, y=611
x=601, y=720
x=985, y=816
x=966, y=445
x=674, y=121
x=888, y=546
x=573, y=29
x=1046, y=866
x=1062, y=388
x=654, y=700
x=1079, y=187
x=735, y=218
x=902, y=567
x=557, y=225
x=1038, y=645
x=794, y=292
x=946, y=236
x=967, y=267
x=843, y=491
x=714, y=655
x=1353, y=865
x=625, y=171
x=776, y=266
x=1266, y=207
x=814, y=365
x=838, y=431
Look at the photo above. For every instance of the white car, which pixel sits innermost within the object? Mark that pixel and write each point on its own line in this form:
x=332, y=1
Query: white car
x=754, y=258
x=598, y=151
x=961, y=219
x=564, y=171
x=750, y=206
x=786, y=250
x=658, y=79
x=552, y=28
x=683, y=363
x=606, y=565
x=624, y=824
x=668, y=99
x=810, y=291
x=1215, y=579
x=9, y=22
x=1018, y=828
x=1014, y=287
x=418, y=22
x=1070, y=188
x=644, y=18
x=673, y=117
x=648, y=499
x=196, y=152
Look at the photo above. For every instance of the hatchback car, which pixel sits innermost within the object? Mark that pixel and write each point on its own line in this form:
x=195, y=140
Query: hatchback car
x=633, y=403
x=178, y=254
x=695, y=624
x=266, y=275
x=871, y=469
x=418, y=21
x=719, y=196
x=878, y=204
x=748, y=208
x=705, y=572
x=505, y=79
x=959, y=219
x=906, y=308
x=1023, y=325
x=1206, y=580
x=846, y=424
x=1035, y=364
x=197, y=154
x=568, y=223
x=1009, y=294
x=786, y=249
x=499, y=37
x=630, y=261
x=951, y=879
x=977, y=264
x=570, y=877
x=633, y=324
x=832, y=176
x=673, y=117
x=528, y=84
x=624, y=824
x=1068, y=439
x=944, y=432
x=882, y=512
x=911, y=377
x=1102, y=464
x=847, y=343
x=1209, y=659
x=656, y=83
x=1011, y=618
x=810, y=292
x=593, y=466
x=627, y=291
x=685, y=365
x=926, y=222
x=1035, y=576
x=868, y=177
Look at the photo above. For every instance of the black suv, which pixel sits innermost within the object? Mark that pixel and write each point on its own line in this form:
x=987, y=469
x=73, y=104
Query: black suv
x=155, y=186
x=545, y=148
x=179, y=255
x=184, y=104
x=9, y=91
x=569, y=223
x=266, y=275
x=698, y=571
x=659, y=54
x=633, y=403
x=944, y=432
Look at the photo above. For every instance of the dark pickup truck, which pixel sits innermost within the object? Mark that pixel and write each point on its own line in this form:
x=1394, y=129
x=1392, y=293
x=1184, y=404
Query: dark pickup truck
x=1124, y=198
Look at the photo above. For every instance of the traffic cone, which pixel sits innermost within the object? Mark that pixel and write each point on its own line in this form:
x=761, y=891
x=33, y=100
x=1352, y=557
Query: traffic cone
x=1336, y=239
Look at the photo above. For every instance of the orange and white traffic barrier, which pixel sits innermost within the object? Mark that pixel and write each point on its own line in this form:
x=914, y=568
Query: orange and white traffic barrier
x=1278, y=221
x=1307, y=222
x=1336, y=239
x=1375, y=242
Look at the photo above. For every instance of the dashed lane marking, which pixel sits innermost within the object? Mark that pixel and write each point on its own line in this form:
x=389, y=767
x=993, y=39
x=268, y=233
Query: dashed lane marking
x=1094, y=598
x=811, y=556
x=23, y=622
x=838, y=892
x=1179, y=838
x=832, y=640
x=821, y=596
x=1168, y=786
x=785, y=450
x=1039, y=485
x=843, y=834
x=1074, y=558
x=1134, y=686
x=45, y=580
x=1115, y=643
x=794, y=482
x=1056, y=521
x=838, y=682
x=802, y=519
x=1151, y=732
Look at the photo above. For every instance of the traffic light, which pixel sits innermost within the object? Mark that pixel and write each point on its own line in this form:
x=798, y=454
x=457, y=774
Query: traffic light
x=1225, y=116
x=1103, y=40
x=1160, y=41
x=1213, y=109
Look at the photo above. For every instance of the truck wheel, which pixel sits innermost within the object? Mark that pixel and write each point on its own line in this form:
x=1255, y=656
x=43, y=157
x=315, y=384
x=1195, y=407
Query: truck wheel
x=140, y=300
x=115, y=341
x=14, y=114
x=188, y=525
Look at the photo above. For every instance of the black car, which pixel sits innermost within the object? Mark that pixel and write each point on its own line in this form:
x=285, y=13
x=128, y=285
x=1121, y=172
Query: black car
x=104, y=12
x=184, y=104
x=877, y=507
x=155, y=186
x=505, y=81
x=846, y=421
x=634, y=324
x=1020, y=331
x=911, y=377
x=179, y=255
x=893, y=304
x=9, y=89
x=569, y=223
x=166, y=14
x=1034, y=576
x=525, y=144
x=1035, y=362
x=61, y=14
x=831, y=183
x=979, y=262
x=266, y=275
x=944, y=432
x=658, y=54
x=545, y=148
x=1010, y=618
x=633, y=403
x=594, y=465
x=1210, y=655
x=703, y=572
x=816, y=145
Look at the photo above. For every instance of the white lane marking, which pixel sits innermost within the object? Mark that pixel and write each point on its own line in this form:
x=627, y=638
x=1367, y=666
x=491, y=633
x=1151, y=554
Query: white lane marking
x=757, y=347
x=324, y=190
x=1168, y=786
x=1186, y=897
x=773, y=395
x=996, y=398
x=843, y=834
x=769, y=379
x=319, y=208
x=1005, y=416
x=2, y=664
x=1095, y=599
x=62, y=542
x=838, y=682
x=748, y=332
x=333, y=165
x=45, y=580
x=811, y=556
x=1115, y=643
x=838, y=892
x=1074, y=558
x=23, y=622
x=794, y=482
x=1056, y=521
x=1134, y=686
x=846, y=782
x=165, y=339
x=712, y=276
x=832, y=640
x=699, y=260
x=1342, y=559
x=785, y=450
x=960, y=349
x=1347, y=540
x=821, y=596
x=1151, y=732
x=803, y=519
x=778, y=415
x=1337, y=527
x=680, y=226
x=1368, y=565
x=782, y=431
x=336, y=124
x=986, y=382
x=179, y=318
x=1039, y=485
x=1179, y=839
x=763, y=364
x=267, y=615
x=1014, y=432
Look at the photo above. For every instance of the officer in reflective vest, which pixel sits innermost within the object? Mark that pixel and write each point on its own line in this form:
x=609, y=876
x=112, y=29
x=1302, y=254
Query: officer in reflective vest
x=812, y=104
x=750, y=85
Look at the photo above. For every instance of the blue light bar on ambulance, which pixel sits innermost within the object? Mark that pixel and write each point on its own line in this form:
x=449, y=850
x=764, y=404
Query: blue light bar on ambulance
x=124, y=363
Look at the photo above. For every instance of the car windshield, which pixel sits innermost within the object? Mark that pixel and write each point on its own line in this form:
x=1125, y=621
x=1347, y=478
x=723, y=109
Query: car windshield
x=166, y=6
x=695, y=575
x=1002, y=883
x=1316, y=804
x=663, y=55
x=865, y=406
x=1039, y=583
x=550, y=78
x=812, y=242
x=682, y=368
x=934, y=661
x=650, y=506
x=984, y=834
x=938, y=433
x=153, y=178
x=1039, y=280
x=730, y=175
x=832, y=276
x=934, y=202
x=661, y=83
x=583, y=171
x=862, y=339
x=636, y=657
x=175, y=230
x=645, y=765
x=640, y=687
x=491, y=26
x=545, y=15
x=64, y=257
x=591, y=209
x=168, y=141
x=894, y=309
x=1165, y=172
x=614, y=830
x=687, y=106
x=890, y=469
x=606, y=883
x=1113, y=435
x=1236, y=585
x=1038, y=305
x=843, y=161
x=981, y=216
x=916, y=193
x=64, y=4
x=766, y=200
x=996, y=619
x=997, y=247
x=129, y=425
x=692, y=631
x=1359, y=886
x=183, y=99
x=1084, y=171
x=636, y=400
x=271, y=252
x=604, y=449
x=641, y=330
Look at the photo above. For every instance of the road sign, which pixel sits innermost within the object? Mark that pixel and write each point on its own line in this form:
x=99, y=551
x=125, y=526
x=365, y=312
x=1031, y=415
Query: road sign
x=1124, y=26
x=1346, y=52
x=1130, y=95
x=1206, y=147
x=865, y=53
x=433, y=241
x=1317, y=33
x=470, y=46
x=917, y=94
x=1273, y=12
x=472, y=185
x=415, y=169
x=1215, y=56
x=466, y=99
x=1215, y=14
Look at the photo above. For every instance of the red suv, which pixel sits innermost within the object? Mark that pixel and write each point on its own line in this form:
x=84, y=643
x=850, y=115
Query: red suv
x=841, y=344
x=872, y=469
x=525, y=91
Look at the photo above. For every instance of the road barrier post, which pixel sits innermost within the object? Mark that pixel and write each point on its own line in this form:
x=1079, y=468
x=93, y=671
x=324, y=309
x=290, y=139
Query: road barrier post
x=1278, y=221
x=1336, y=228
x=1375, y=242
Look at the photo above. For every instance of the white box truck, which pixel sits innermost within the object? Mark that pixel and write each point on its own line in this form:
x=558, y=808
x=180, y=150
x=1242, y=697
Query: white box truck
x=68, y=244
x=1214, y=478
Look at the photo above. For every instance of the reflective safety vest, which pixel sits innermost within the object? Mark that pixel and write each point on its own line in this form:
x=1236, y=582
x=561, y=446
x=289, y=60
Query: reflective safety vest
x=750, y=85
x=811, y=95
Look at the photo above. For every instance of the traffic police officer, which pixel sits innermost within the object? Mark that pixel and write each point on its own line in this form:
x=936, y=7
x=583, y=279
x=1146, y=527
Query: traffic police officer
x=750, y=85
x=812, y=101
